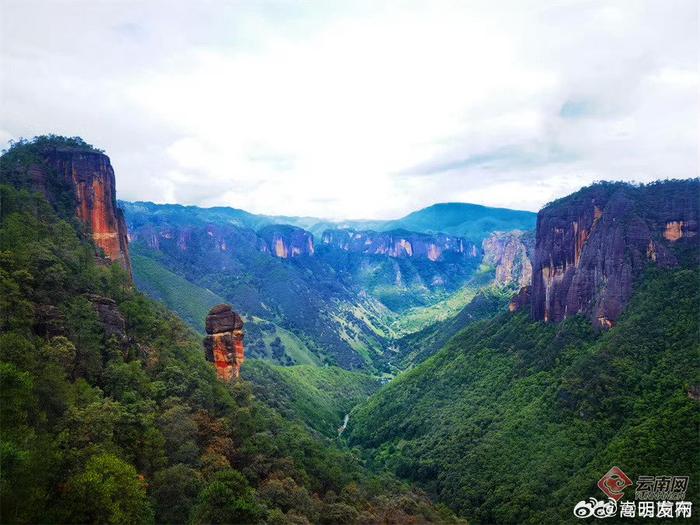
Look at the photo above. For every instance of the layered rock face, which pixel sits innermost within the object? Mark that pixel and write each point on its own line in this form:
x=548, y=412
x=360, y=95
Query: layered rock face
x=590, y=246
x=110, y=317
x=399, y=243
x=286, y=241
x=90, y=176
x=510, y=254
x=50, y=321
x=223, y=344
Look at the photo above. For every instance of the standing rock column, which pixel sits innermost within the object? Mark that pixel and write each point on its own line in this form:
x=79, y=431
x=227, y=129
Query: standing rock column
x=223, y=344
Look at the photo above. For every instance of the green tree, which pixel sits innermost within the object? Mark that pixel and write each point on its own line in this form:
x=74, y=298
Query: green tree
x=174, y=492
x=86, y=333
x=228, y=499
x=107, y=491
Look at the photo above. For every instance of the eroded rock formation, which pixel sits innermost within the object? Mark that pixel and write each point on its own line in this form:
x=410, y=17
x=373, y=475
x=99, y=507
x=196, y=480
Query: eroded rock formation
x=90, y=176
x=48, y=321
x=509, y=253
x=110, y=317
x=590, y=246
x=677, y=229
x=286, y=241
x=399, y=243
x=223, y=344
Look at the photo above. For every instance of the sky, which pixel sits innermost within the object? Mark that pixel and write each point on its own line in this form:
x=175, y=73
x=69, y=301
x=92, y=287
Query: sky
x=359, y=109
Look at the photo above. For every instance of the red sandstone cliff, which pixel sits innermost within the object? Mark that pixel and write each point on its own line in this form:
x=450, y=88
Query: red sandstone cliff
x=591, y=246
x=89, y=176
x=284, y=241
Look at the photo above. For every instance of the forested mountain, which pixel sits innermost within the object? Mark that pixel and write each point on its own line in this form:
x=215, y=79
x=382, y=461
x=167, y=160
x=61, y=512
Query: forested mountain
x=506, y=408
x=516, y=419
x=472, y=221
x=109, y=412
x=318, y=396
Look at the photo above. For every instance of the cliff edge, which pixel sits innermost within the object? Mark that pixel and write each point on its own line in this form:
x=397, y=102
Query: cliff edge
x=592, y=245
x=77, y=179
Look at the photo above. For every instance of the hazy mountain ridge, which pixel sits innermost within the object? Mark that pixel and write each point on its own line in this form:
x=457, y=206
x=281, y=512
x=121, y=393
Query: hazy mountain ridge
x=472, y=221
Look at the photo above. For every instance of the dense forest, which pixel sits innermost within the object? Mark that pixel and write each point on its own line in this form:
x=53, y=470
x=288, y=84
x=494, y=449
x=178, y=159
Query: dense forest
x=318, y=396
x=107, y=424
x=515, y=421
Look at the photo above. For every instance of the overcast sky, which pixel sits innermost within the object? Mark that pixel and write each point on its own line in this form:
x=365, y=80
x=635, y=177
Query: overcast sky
x=359, y=110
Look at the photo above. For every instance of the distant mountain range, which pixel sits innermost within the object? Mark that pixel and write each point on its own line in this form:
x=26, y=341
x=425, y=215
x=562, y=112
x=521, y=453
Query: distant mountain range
x=317, y=291
x=473, y=221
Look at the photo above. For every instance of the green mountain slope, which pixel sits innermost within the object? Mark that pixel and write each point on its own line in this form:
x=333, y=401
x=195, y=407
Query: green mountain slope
x=263, y=338
x=318, y=396
x=109, y=412
x=190, y=301
x=515, y=421
x=416, y=347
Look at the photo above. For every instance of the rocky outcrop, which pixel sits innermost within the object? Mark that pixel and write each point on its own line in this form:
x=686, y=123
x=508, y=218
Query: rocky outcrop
x=694, y=392
x=90, y=177
x=678, y=229
x=509, y=253
x=223, y=344
x=48, y=321
x=286, y=241
x=521, y=299
x=399, y=243
x=590, y=246
x=110, y=317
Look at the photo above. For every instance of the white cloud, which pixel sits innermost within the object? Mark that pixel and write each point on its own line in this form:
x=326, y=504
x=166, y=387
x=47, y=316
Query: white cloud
x=360, y=109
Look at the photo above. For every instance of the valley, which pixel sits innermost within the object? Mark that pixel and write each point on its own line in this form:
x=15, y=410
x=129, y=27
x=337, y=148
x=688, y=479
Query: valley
x=110, y=411
x=386, y=374
x=276, y=262
x=346, y=297
x=475, y=388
